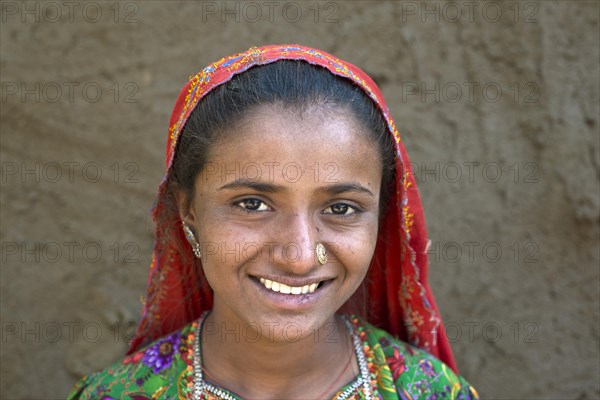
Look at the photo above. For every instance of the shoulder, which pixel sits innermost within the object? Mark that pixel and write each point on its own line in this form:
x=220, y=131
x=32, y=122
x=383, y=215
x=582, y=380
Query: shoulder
x=409, y=371
x=163, y=369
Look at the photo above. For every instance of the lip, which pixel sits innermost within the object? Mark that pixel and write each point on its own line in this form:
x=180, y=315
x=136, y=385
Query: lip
x=292, y=302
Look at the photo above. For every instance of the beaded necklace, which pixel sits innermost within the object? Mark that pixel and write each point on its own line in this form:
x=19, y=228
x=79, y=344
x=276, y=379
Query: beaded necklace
x=205, y=390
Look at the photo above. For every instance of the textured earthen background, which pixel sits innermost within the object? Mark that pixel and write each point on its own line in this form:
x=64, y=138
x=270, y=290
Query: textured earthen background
x=508, y=170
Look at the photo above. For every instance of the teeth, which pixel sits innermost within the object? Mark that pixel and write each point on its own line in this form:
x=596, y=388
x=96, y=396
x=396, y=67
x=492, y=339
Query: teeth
x=285, y=289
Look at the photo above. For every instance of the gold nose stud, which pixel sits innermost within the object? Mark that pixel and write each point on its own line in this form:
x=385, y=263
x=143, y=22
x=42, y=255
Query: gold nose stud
x=321, y=253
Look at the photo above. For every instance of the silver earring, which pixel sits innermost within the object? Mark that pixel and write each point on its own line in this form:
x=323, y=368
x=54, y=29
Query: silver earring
x=191, y=239
x=321, y=253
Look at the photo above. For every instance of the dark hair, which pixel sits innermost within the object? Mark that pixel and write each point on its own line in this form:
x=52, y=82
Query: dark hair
x=291, y=84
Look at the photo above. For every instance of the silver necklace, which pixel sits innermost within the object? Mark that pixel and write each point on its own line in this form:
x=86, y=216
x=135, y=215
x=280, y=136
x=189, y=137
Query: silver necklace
x=201, y=386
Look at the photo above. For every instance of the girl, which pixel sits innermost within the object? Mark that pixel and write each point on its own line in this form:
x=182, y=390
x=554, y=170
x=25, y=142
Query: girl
x=290, y=253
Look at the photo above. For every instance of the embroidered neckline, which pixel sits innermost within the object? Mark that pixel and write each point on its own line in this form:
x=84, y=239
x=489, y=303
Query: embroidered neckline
x=364, y=382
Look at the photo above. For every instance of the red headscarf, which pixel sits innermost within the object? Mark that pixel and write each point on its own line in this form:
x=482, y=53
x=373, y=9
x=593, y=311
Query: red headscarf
x=398, y=297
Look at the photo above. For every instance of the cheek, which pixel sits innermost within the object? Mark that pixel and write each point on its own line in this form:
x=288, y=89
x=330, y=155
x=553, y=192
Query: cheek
x=355, y=249
x=229, y=238
x=225, y=245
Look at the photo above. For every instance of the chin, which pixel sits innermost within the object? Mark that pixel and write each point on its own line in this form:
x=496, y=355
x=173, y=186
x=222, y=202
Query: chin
x=288, y=328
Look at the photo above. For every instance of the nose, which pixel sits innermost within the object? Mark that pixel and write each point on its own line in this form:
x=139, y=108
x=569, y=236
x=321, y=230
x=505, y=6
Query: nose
x=295, y=244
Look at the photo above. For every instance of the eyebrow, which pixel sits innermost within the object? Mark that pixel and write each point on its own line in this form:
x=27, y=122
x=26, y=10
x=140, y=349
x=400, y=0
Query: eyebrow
x=249, y=184
x=347, y=187
x=272, y=188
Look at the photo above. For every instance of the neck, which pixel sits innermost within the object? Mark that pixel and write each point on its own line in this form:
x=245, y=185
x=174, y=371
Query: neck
x=314, y=366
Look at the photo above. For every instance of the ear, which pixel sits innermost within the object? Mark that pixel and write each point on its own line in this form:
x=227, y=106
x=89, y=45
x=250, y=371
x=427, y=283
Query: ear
x=186, y=209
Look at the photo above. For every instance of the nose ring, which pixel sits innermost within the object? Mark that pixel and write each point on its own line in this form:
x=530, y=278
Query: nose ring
x=321, y=253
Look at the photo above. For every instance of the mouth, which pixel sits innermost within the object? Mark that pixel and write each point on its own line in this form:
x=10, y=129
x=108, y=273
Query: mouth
x=282, y=288
x=295, y=295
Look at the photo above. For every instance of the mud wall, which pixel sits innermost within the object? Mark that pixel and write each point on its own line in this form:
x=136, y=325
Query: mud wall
x=497, y=102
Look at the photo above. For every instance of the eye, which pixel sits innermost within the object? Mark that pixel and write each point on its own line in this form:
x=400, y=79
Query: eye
x=253, y=205
x=340, y=209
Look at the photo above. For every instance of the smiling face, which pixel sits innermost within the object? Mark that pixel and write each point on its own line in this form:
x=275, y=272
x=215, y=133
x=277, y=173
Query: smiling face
x=272, y=189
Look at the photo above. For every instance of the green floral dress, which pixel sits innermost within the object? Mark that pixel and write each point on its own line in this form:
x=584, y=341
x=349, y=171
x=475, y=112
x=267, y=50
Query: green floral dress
x=170, y=368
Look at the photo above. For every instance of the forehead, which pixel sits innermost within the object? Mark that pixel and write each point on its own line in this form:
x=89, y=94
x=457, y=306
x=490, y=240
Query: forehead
x=316, y=142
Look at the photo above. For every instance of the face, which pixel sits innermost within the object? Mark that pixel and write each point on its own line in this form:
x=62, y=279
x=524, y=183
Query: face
x=271, y=190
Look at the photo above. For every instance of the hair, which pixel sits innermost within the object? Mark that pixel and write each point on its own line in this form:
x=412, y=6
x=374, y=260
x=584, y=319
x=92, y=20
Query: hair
x=294, y=84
